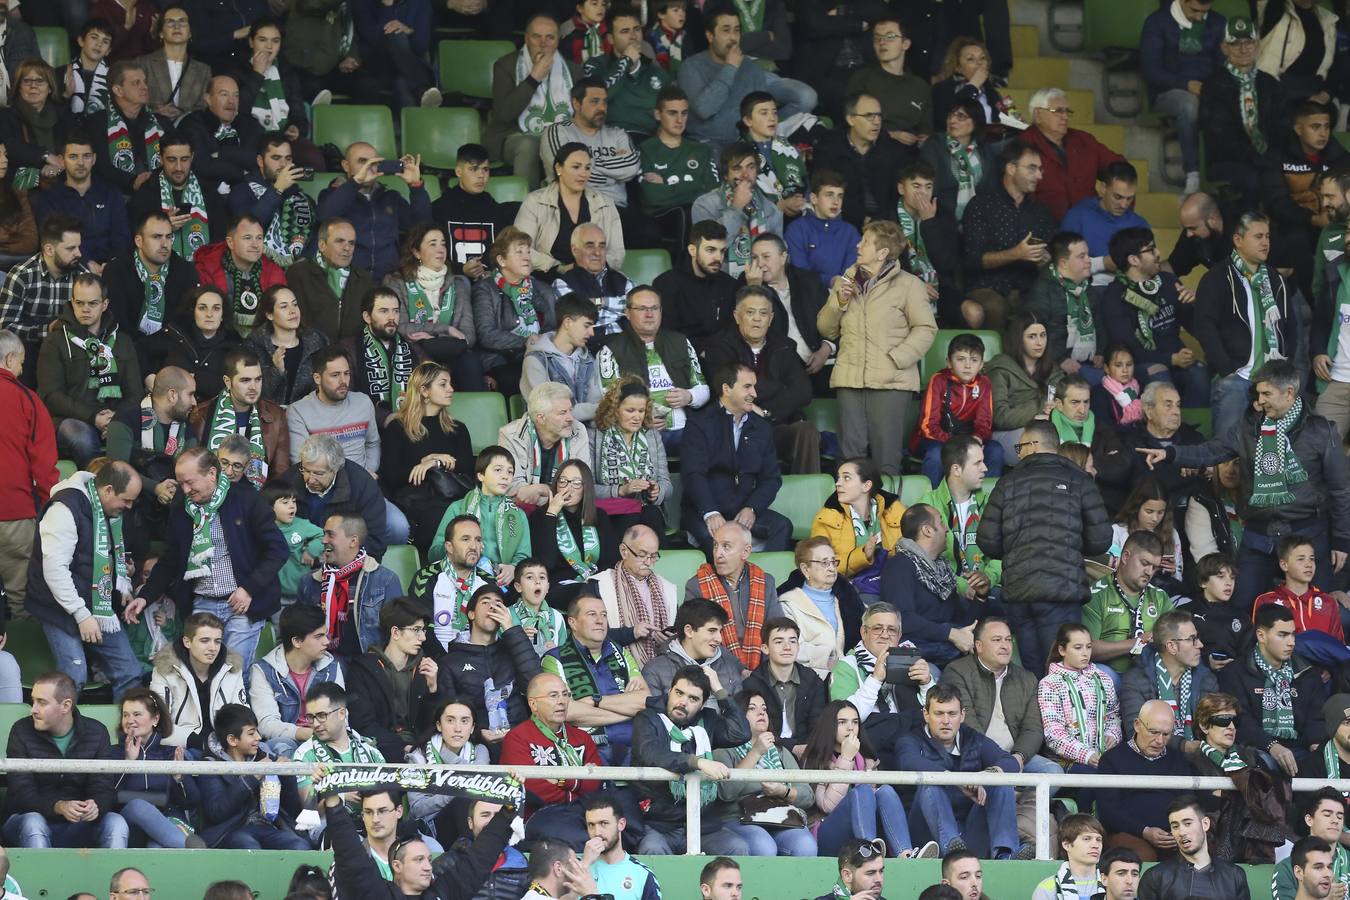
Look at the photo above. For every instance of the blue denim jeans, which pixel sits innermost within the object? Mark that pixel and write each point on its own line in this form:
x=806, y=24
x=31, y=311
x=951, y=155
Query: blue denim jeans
x=34, y=830
x=241, y=632
x=1228, y=402
x=148, y=819
x=992, y=826
x=723, y=842
x=857, y=816
x=778, y=842
x=1184, y=108
x=113, y=655
x=264, y=837
x=395, y=524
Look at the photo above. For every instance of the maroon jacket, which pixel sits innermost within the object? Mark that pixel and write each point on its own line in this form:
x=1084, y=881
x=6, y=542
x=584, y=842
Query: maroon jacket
x=28, y=445
x=1065, y=183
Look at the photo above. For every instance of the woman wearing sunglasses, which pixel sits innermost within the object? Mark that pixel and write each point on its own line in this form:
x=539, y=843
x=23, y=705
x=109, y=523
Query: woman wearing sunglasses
x=1248, y=823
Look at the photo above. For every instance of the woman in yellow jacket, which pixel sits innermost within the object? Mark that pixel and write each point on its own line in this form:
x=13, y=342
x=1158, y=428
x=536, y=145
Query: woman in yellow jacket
x=857, y=519
x=882, y=320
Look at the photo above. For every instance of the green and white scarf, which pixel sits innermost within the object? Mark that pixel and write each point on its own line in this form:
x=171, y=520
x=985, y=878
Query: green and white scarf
x=770, y=759
x=698, y=735
x=1080, y=709
x=99, y=355
x=567, y=754
x=1069, y=888
x=1277, y=700
x=201, y=551
x=1082, y=325
x=751, y=13
x=288, y=231
x=1267, y=313
x=522, y=301
x=121, y=148
x=270, y=108
x=561, y=451
x=502, y=521
x=1178, y=696
x=577, y=671
x=1139, y=294
x=337, y=275
x=1074, y=432
x=437, y=752
x=738, y=245
x=362, y=751
x=245, y=291
x=552, y=99
x=622, y=462
x=224, y=423
x=152, y=285
x=543, y=620
x=422, y=311
x=196, y=234
x=387, y=374
x=863, y=529
x=1251, y=119
x=1276, y=466
x=1227, y=762
x=110, y=563
x=341, y=16
x=968, y=169
x=585, y=561
x=917, y=256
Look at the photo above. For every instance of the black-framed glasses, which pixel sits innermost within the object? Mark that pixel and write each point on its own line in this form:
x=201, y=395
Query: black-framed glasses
x=1193, y=639
x=1020, y=444
x=322, y=717
x=644, y=557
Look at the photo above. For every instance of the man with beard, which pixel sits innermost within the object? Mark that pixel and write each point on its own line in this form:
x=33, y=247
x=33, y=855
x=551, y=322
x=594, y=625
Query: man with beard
x=146, y=284
x=222, y=140
x=334, y=409
x=176, y=192
x=150, y=436
x=1332, y=190
x=961, y=870
x=351, y=587
x=331, y=290
x=1331, y=293
x=382, y=358
x=97, y=205
x=616, y=873
x=680, y=735
x=240, y=409
x=445, y=586
x=1193, y=872
x=272, y=193
x=236, y=268
x=614, y=161
x=334, y=740
x=862, y=870
x=699, y=295
x=37, y=289
x=126, y=134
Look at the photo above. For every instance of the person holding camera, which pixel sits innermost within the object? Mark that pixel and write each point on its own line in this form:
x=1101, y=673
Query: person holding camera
x=273, y=195
x=885, y=678
x=379, y=213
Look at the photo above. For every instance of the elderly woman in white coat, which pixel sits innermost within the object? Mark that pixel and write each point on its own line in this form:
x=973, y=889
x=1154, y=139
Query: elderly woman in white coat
x=814, y=606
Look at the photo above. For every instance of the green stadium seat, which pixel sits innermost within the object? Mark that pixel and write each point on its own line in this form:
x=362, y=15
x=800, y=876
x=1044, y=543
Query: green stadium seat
x=11, y=713
x=891, y=484
x=437, y=134
x=778, y=563
x=344, y=125
x=29, y=647
x=1201, y=417
x=508, y=188
x=800, y=498
x=267, y=640
x=912, y=487
x=1110, y=23
x=53, y=46
x=642, y=266
x=109, y=714
x=483, y=413
x=935, y=359
x=66, y=468
x=466, y=66
x=515, y=406
x=678, y=566
x=404, y=561
x=1344, y=138
x=989, y=483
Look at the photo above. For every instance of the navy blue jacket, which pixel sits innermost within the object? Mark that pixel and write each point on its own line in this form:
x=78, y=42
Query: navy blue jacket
x=378, y=220
x=227, y=801
x=370, y=17
x=926, y=616
x=1134, y=809
x=718, y=477
x=354, y=492
x=917, y=752
x=257, y=552
x=102, y=212
x=1163, y=65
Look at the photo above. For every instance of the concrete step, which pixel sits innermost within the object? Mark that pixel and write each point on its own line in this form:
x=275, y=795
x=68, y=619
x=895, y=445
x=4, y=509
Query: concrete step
x=1159, y=209
x=1026, y=42
x=1036, y=72
x=1112, y=136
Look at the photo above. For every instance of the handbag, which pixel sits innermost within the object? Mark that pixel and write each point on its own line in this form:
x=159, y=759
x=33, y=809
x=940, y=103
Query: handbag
x=446, y=484
x=771, y=812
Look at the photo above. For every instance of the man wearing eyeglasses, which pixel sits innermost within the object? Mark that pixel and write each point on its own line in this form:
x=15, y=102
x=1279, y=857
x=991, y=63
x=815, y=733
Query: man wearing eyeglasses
x=906, y=99
x=131, y=883
x=1170, y=670
x=862, y=871
x=635, y=596
x=860, y=677
x=1071, y=158
x=392, y=686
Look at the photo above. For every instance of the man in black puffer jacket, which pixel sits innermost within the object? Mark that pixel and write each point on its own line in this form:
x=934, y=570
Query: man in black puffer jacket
x=1320, y=504
x=1042, y=519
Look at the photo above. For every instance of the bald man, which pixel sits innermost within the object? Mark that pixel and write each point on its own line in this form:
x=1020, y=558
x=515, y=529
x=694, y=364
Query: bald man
x=746, y=593
x=150, y=436
x=1137, y=817
x=380, y=213
x=224, y=143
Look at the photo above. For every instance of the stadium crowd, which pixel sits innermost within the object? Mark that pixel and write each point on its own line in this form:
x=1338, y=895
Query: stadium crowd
x=1125, y=553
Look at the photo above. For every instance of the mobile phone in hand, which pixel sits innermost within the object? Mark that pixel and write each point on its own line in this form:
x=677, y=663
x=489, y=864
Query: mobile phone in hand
x=390, y=167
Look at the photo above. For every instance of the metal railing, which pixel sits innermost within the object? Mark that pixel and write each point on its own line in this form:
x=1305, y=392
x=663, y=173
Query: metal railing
x=1044, y=785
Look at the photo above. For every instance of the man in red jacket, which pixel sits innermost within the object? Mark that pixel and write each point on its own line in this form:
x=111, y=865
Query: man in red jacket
x=1070, y=158
x=237, y=268
x=28, y=446
x=552, y=808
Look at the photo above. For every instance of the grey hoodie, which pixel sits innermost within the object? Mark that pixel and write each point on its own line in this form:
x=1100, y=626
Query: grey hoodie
x=659, y=672
x=577, y=370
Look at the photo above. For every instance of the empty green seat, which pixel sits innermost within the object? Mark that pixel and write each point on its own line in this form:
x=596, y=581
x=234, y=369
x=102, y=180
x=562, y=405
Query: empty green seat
x=404, y=561
x=11, y=713
x=345, y=125
x=267, y=640
x=515, y=407
x=912, y=487
x=778, y=563
x=53, y=46
x=466, y=66
x=66, y=468
x=800, y=498
x=1110, y=23
x=437, y=134
x=935, y=360
x=678, y=566
x=26, y=642
x=483, y=413
x=642, y=266
x=508, y=188
x=110, y=714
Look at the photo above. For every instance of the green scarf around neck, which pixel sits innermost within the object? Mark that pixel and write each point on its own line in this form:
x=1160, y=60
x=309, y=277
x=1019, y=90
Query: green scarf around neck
x=1072, y=432
x=201, y=551
x=1276, y=467
x=110, y=563
x=1277, y=700
x=567, y=754
x=1139, y=295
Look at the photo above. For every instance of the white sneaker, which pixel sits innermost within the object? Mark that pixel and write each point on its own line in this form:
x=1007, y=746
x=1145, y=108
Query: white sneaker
x=1192, y=183
x=431, y=98
x=322, y=98
x=927, y=851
